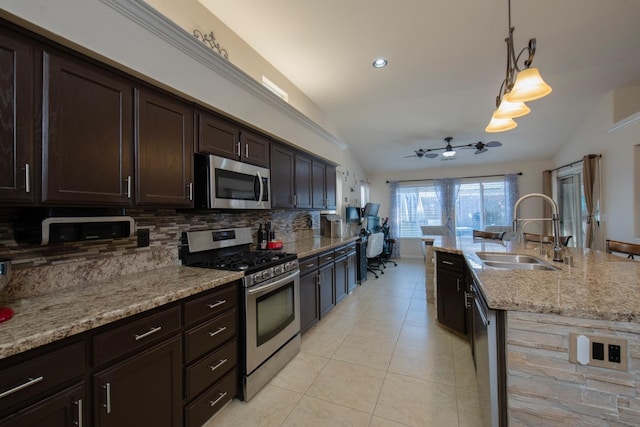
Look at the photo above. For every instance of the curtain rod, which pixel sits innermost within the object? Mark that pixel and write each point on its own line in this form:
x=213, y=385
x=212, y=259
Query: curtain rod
x=591, y=156
x=463, y=177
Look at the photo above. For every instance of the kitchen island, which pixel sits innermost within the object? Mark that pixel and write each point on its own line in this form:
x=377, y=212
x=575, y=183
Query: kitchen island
x=594, y=296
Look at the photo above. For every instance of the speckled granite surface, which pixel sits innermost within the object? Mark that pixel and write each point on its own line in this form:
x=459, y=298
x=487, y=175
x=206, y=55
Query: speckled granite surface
x=309, y=247
x=597, y=286
x=43, y=319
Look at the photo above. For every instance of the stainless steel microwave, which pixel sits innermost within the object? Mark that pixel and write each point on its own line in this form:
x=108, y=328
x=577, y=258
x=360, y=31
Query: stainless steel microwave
x=222, y=183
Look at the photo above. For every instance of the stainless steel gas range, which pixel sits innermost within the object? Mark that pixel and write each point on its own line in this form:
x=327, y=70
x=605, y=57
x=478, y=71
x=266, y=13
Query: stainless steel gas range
x=270, y=295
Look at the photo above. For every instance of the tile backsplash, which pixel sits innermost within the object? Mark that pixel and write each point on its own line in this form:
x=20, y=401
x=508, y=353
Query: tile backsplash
x=42, y=269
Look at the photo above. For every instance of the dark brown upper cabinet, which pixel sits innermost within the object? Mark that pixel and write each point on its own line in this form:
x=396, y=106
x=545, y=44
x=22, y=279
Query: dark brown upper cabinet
x=16, y=119
x=164, y=150
x=224, y=138
x=303, y=182
x=87, y=139
x=324, y=185
x=282, y=177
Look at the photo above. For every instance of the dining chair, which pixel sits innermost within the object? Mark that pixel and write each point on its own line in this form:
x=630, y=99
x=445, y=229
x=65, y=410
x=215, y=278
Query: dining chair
x=532, y=237
x=629, y=249
x=480, y=234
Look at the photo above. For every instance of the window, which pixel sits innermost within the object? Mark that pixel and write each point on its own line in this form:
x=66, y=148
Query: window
x=572, y=204
x=480, y=204
x=417, y=205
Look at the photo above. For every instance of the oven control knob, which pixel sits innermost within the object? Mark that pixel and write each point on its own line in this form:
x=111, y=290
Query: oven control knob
x=257, y=276
x=292, y=265
x=278, y=269
x=267, y=274
x=287, y=266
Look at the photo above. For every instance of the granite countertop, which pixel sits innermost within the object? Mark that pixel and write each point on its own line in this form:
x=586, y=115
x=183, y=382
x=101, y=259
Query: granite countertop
x=43, y=319
x=309, y=247
x=597, y=286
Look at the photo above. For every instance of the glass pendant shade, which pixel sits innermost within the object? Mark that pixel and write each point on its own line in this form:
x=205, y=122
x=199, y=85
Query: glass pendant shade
x=528, y=87
x=449, y=153
x=500, y=125
x=511, y=110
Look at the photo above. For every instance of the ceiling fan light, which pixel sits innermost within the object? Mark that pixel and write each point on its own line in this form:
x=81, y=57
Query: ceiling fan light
x=449, y=153
x=500, y=125
x=511, y=110
x=529, y=86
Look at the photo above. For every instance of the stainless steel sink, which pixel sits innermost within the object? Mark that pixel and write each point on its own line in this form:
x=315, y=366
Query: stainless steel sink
x=514, y=262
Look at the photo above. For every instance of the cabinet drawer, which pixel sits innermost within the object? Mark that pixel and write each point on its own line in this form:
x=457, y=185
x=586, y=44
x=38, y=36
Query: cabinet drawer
x=210, y=335
x=308, y=264
x=210, y=305
x=203, y=408
x=209, y=370
x=340, y=252
x=450, y=261
x=135, y=335
x=21, y=382
x=325, y=258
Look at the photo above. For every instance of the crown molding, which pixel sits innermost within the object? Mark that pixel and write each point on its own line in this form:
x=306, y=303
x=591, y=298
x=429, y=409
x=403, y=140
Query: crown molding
x=153, y=21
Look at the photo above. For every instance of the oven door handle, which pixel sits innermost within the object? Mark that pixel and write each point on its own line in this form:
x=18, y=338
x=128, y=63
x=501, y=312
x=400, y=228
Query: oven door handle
x=274, y=284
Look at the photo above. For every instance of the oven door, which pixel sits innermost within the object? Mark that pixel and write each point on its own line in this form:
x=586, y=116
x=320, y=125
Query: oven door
x=272, y=317
x=237, y=185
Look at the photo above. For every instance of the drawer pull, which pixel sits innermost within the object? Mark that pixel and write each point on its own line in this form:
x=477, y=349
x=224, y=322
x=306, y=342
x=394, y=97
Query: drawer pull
x=310, y=265
x=29, y=383
x=107, y=405
x=217, y=365
x=220, y=397
x=217, y=304
x=78, y=403
x=447, y=262
x=150, y=332
x=217, y=331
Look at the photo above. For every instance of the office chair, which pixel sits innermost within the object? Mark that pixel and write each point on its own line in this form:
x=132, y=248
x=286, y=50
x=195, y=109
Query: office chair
x=374, y=249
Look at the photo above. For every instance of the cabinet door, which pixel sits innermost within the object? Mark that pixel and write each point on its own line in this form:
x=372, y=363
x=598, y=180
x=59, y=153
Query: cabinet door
x=218, y=136
x=318, y=184
x=451, y=309
x=330, y=186
x=64, y=409
x=352, y=277
x=309, y=313
x=281, y=177
x=143, y=390
x=303, y=182
x=87, y=137
x=341, y=278
x=327, y=292
x=254, y=149
x=16, y=119
x=164, y=150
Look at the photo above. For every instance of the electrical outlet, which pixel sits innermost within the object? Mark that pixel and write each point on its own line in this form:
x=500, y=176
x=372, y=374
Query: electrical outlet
x=143, y=237
x=597, y=350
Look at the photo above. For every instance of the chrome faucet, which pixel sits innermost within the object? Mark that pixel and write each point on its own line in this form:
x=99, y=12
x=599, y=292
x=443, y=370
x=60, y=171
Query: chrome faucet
x=555, y=218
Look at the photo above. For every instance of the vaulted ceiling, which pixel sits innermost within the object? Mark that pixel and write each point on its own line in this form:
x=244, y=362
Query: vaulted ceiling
x=447, y=59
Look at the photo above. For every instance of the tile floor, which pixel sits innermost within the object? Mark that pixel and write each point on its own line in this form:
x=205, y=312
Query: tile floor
x=378, y=359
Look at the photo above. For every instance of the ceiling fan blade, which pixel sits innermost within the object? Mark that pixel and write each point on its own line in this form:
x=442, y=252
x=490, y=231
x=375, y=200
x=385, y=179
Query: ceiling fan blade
x=484, y=150
x=493, y=144
x=431, y=155
x=415, y=155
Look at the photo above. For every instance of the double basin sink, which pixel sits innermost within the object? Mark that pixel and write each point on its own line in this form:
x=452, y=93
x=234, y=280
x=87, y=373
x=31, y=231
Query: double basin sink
x=513, y=262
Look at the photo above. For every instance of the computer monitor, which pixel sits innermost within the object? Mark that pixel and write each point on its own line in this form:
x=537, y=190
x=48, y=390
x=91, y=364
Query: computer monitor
x=352, y=215
x=371, y=209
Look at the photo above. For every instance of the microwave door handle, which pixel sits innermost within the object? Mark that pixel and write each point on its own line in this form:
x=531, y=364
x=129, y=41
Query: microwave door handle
x=261, y=187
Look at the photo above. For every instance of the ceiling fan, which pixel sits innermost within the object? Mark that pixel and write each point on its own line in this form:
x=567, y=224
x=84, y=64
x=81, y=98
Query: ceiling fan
x=449, y=151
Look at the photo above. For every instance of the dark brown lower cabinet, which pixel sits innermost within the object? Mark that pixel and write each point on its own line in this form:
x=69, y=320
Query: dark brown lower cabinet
x=143, y=390
x=211, y=401
x=341, y=278
x=451, y=292
x=64, y=409
x=352, y=270
x=327, y=294
x=309, y=313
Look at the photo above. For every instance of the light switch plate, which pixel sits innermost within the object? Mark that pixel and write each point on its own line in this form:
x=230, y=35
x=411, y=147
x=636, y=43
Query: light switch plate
x=580, y=345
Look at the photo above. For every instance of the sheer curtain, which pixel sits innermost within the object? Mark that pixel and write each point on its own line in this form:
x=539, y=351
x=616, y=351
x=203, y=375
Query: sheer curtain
x=394, y=218
x=447, y=192
x=591, y=183
x=547, y=190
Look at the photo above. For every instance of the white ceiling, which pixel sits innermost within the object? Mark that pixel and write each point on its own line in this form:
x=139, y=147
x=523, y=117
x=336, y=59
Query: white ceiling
x=447, y=59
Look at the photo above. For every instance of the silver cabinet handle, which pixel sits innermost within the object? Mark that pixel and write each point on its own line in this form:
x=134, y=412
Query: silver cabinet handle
x=467, y=295
x=295, y=200
x=310, y=265
x=217, y=304
x=447, y=262
x=220, y=397
x=78, y=403
x=107, y=405
x=29, y=383
x=217, y=331
x=458, y=285
x=238, y=148
x=261, y=187
x=190, y=190
x=246, y=151
x=217, y=365
x=27, y=178
x=128, y=179
x=150, y=332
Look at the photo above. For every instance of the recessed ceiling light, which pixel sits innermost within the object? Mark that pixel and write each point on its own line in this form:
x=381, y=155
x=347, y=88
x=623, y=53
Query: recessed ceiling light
x=379, y=63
